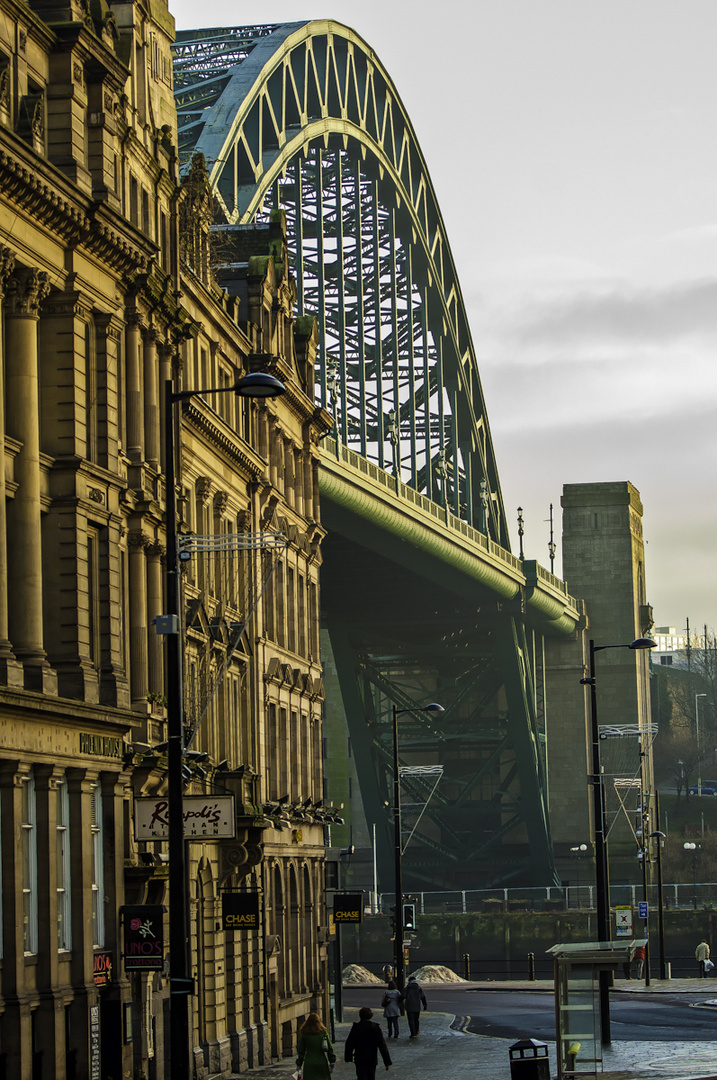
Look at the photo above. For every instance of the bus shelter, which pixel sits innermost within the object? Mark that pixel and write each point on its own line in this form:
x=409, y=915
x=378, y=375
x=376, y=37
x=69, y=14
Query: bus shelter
x=577, y=969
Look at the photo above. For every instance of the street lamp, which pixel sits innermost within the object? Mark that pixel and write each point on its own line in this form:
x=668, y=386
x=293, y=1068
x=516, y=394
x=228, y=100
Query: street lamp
x=257, y=384
x=602, y=885
x=660, y=837
x=693, y=848
x=697, y=736
x=399, y=964
x=578, y=851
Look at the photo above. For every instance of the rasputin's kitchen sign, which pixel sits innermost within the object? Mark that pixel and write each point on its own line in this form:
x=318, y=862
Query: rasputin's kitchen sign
x=203, y=817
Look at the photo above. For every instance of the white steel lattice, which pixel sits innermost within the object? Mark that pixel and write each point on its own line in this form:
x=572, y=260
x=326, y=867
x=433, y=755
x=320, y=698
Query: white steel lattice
x=302, y=117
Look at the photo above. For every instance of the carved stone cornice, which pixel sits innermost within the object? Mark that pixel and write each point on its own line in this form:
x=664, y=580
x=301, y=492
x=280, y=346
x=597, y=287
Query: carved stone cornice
x=233, y=449
x=25, y=291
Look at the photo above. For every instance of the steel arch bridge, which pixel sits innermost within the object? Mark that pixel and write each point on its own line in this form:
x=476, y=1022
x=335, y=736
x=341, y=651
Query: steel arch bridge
x=303, y=117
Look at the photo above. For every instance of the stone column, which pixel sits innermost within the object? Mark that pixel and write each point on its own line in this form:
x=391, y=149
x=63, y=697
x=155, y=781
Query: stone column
x=151, y=398
x=299, y=481
x=308, y=486
x=17, y=1018
x=289, y=471
x=50, y=1017
x=10, y=670
x=135, y=390
x=80, y=785
x=22, y=301
x=155, y=606
x=137, y=543
x=165, y=373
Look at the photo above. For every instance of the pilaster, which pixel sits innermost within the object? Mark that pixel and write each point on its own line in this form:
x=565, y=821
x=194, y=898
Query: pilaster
x=10, y=669
x=138, y=629
x=151, y=398
x=23, y=295
x=135, y=389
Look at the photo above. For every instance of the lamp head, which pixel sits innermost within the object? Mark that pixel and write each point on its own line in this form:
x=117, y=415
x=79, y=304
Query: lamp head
x=259, y=384
x=643, y=643
x=434, y=707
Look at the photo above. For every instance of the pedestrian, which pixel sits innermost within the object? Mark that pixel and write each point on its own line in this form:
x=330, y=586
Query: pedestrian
x=639, y=959
x=387, y=972
x=364, y=1044
x=316, y=1055
x=702, y=956
x=391, y=1002
x=413, y=997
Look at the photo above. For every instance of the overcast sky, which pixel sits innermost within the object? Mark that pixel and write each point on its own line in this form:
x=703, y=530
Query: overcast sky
x=573, y=148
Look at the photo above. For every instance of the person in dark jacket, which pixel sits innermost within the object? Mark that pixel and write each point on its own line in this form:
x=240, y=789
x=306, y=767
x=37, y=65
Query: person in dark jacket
x=363, y=1045
x=413, y=997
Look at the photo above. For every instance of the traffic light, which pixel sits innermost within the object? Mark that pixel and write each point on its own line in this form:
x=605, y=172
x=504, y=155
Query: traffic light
x=409, y=916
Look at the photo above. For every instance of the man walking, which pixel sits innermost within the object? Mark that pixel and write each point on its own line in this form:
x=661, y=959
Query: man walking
x=413, y=997
x=363, y=1045
x=702, y=955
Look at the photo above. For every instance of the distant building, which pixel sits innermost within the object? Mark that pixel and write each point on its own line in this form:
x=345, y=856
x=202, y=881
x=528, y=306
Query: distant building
x=670, y=644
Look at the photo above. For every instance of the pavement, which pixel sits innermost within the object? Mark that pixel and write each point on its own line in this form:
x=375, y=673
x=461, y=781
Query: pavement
x=443, y=1051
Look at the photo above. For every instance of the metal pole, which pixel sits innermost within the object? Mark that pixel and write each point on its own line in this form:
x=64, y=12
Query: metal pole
x=179, y=982
x=398, y=877
x=660, y=897
x=602, y=884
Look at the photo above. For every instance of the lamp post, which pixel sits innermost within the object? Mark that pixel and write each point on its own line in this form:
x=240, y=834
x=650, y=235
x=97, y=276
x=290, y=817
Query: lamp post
x=257, y=384
x=697, y=737
x=602, y=885
x=660, y=837
x=399, y=965
x=690, y=846
x=578, y=851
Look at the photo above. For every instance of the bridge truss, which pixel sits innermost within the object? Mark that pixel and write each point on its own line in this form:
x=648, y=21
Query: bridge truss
x=303, y=118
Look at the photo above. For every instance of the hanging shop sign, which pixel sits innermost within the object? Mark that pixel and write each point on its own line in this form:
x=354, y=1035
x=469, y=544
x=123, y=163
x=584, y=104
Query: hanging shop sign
x=143, y=937
x=348, y=907
x=204, y=817
x=240, y=911
x=102, y=969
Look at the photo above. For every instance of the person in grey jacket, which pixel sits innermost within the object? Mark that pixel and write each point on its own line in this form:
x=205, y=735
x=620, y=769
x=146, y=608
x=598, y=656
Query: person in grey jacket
x=392, y=1009
x=413, y=997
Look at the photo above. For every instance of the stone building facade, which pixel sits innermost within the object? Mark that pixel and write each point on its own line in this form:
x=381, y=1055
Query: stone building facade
x=108, y=290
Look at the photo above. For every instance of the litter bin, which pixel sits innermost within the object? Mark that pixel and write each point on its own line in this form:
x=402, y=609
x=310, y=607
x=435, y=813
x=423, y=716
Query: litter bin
x=529, y=1060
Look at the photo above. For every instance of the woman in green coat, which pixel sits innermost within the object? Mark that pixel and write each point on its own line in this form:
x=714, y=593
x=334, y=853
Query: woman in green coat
x=316, y=1054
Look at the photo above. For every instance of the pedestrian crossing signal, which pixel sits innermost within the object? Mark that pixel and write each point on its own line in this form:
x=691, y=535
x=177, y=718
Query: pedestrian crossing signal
x=409, y=916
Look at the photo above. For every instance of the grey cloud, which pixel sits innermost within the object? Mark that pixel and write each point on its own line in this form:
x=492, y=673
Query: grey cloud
x=627, y=315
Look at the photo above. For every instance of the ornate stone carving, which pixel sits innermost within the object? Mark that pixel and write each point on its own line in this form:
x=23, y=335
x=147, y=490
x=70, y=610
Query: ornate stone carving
x=4, y=87
x=95, y=495
x=221, y=501
x=204, y=489
x=25, y=292
x=138, y=539
x=7, y=266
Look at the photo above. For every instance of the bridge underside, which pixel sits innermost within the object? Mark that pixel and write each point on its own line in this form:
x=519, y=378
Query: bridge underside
x=398, y=637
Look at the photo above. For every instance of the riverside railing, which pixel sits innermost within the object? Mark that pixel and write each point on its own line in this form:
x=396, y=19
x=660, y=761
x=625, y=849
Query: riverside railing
x=679, y=895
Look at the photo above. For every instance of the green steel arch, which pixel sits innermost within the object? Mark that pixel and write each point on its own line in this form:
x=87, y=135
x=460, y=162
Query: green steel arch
x=303, y=116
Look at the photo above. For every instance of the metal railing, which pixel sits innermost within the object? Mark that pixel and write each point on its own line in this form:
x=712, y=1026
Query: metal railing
x=682, y=896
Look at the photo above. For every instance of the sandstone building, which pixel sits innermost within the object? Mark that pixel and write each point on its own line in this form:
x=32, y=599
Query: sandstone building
x=108, y=290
